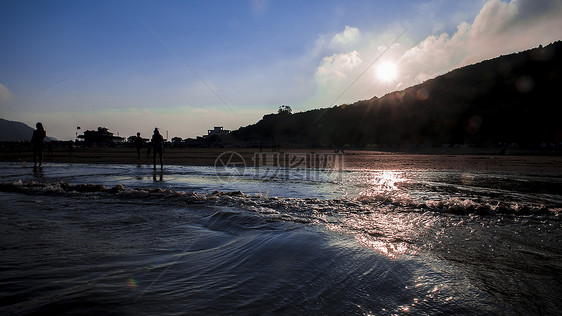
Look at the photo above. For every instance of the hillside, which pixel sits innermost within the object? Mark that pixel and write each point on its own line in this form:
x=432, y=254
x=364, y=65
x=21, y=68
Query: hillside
x=509, y=99
x=11, y=131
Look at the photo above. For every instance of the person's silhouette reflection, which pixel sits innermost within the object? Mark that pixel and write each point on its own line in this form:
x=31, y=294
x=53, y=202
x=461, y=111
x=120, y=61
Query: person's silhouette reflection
x=158, y=176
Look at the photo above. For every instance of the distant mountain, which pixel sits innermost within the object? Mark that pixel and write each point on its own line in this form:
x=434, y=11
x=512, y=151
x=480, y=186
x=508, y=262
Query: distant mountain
x=11, y=131
x=509, y=99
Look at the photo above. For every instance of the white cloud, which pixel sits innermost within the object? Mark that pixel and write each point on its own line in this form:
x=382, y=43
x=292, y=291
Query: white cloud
x=435, y=55
x=348, y=37
x=499, y=28
x=503, y=28
x=5, y=94
x=338, y=66
x=354, y=52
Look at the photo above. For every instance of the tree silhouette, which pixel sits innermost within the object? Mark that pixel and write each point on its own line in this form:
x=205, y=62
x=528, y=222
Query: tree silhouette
x=285, y=109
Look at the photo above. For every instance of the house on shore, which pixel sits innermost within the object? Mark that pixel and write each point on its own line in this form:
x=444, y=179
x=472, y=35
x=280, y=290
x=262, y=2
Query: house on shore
x=217, y=130
x=100, y=137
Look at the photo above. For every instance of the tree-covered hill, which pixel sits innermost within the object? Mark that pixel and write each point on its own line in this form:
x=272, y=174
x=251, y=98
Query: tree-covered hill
x=509, y=99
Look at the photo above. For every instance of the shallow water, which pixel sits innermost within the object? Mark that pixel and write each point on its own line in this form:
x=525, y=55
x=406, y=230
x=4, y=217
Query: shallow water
x=123, y=239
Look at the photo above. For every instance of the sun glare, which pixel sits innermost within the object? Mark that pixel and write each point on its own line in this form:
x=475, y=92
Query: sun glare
x=387, y=71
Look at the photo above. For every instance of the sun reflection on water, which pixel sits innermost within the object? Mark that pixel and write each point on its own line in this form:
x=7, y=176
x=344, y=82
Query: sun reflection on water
x=380, y=182
x=379, y=223
x=391, y=250
x=387, y=180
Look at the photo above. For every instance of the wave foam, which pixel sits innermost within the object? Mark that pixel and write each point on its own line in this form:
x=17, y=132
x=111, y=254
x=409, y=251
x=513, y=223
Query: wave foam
x=300, y=209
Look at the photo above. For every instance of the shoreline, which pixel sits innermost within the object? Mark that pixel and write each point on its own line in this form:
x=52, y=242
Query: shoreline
x=439, y=159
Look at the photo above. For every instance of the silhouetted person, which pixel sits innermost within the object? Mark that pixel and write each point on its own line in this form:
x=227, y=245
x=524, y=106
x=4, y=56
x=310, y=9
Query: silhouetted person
x=138, y=145
x=70, y=147
x=157, y=147
x=37, y=142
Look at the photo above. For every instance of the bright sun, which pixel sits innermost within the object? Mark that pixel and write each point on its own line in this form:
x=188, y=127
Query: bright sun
x=387, y=71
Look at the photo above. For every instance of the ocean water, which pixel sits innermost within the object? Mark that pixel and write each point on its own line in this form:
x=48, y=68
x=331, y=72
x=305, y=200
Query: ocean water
x=127, y=240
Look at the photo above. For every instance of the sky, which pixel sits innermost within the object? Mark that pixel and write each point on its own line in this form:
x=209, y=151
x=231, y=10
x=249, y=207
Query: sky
x=187, y=66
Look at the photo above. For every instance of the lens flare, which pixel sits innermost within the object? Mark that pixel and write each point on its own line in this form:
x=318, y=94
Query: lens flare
x=132, y=283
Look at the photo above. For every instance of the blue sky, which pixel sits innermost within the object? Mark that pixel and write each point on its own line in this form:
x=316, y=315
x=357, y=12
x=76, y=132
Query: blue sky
x=122, y=64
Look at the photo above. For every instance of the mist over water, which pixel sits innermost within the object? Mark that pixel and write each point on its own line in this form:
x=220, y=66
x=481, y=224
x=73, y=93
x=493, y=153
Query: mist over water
x=123, y=239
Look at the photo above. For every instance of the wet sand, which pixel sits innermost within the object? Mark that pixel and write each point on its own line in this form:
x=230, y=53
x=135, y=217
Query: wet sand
x=353, y=159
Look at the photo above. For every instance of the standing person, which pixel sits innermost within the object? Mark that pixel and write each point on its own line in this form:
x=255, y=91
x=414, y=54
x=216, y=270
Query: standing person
x=37, y=141
x=70, y=147
x=157, y=147
x=138, y=145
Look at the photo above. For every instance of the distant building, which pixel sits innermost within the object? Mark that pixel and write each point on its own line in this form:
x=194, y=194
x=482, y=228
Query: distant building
x=218, y=130
x=132, y=139
x=101, y=137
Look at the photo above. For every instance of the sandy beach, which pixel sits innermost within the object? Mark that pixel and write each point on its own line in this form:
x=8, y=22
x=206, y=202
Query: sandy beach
x=353, y=159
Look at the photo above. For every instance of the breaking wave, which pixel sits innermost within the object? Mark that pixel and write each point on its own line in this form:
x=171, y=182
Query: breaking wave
x=361, y=203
